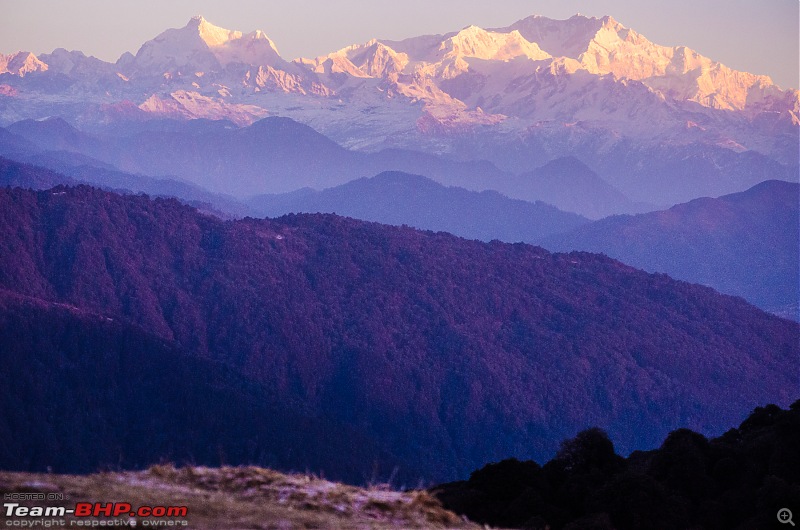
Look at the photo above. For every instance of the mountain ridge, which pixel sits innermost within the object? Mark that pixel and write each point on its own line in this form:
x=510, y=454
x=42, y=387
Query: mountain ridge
x=217, y=155
x=398, y=198
x=744, y=244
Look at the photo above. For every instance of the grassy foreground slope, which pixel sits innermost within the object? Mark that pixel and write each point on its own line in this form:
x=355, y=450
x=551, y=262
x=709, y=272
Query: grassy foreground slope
x=241, y=497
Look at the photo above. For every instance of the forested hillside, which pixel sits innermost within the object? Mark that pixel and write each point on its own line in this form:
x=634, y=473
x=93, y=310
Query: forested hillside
x=448, y=353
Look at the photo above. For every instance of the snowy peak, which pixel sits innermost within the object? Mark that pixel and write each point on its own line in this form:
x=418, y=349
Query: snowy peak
x=21, y=63
x=181, y=49
x=371, y=59
x=379, y=60
x=202, y=47
x=212, y=35
x=255, y=49
x=604, y=46
x=336, y=63
x=560, y=38
x=677, y=72
x=476, y=42
x=76, y=63
x=578, y=36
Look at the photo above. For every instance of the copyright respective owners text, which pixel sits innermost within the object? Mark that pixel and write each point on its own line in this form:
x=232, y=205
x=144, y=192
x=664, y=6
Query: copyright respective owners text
x=48, y=510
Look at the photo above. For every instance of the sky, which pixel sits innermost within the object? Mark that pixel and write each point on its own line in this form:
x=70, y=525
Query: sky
x=758, y=36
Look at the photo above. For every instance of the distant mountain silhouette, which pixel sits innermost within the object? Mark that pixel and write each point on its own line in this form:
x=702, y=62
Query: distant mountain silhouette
x=399, y=198
x=445, y=353
x=570, y=185
x=55, y=134
x=747, y=244
x=673, y=174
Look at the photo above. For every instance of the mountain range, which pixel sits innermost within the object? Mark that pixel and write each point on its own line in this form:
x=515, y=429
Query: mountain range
x=269, y=156
x=427, y=352
x=272, y=156
x=660, y=124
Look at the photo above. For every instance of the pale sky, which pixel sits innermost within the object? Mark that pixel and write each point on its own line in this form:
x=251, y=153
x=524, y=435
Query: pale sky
x=758, y=36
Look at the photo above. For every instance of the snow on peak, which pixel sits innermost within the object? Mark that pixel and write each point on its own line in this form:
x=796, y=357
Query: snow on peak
x=605, y=46
x=560, y=38
x=203, y=47
x=21, y=63
x=218, y=37
x=609, y=22
x=378, y=60
x=371, y=59
x=473, y=41
x=253, y=48
x=210, y=34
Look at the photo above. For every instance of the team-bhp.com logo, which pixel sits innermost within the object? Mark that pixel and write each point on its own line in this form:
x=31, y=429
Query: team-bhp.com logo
x=95, y=514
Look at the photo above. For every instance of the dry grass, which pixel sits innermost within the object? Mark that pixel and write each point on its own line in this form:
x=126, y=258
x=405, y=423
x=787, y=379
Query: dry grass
x=245, y=498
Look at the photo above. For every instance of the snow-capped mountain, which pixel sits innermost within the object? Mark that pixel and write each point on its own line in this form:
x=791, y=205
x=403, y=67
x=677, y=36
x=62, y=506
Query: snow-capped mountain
x=520, y=96
x=511, y=72
x=604, y=46
x=201, y=47
x=21, y=63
